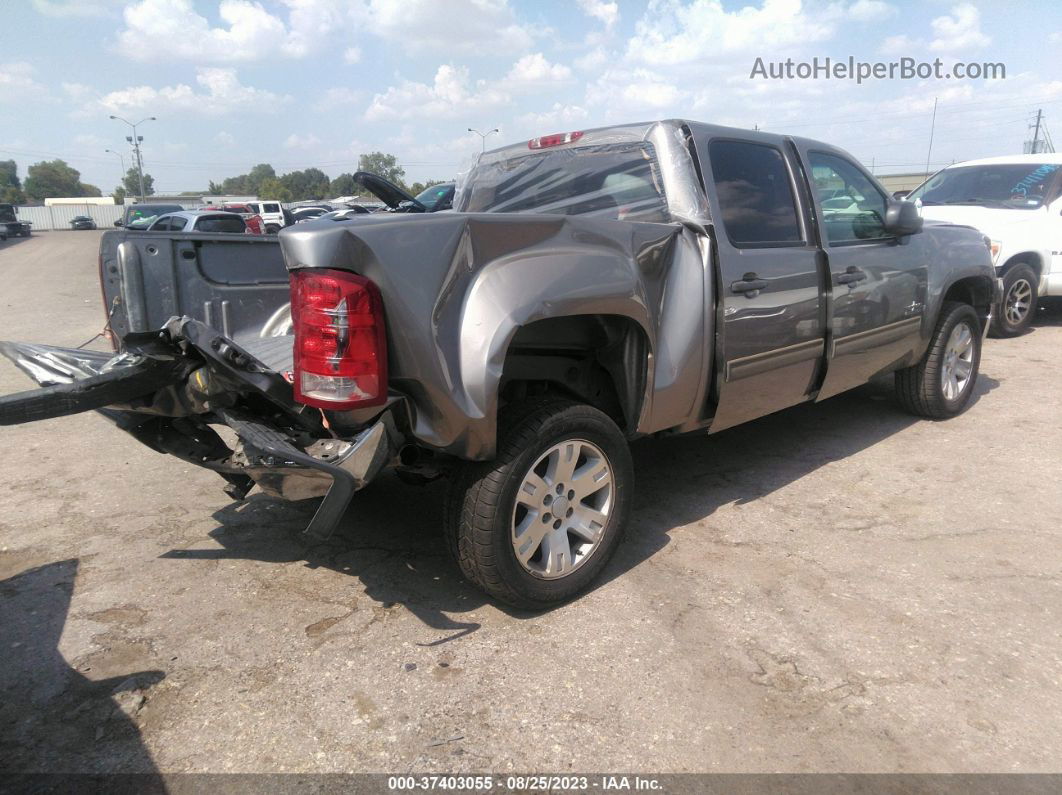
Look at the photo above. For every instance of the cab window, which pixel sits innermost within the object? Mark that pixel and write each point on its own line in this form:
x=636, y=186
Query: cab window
x=853, y=208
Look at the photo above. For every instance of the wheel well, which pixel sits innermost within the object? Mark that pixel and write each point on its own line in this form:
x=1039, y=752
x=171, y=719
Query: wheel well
x=975, y=291
x=600, y=360
x=1030, y=258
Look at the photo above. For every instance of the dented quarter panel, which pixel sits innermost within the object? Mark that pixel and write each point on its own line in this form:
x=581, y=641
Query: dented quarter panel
x=457, y=287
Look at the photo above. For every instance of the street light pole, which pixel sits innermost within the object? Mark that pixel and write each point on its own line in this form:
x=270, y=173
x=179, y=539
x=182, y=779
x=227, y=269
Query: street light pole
x=483, y=138
x=120, y=160
x=135, y=140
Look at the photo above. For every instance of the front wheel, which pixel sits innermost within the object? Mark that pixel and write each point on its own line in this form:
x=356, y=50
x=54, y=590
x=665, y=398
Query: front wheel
x=1015, y=312
x=536, y=525
x=272, y=229
x=942, y=383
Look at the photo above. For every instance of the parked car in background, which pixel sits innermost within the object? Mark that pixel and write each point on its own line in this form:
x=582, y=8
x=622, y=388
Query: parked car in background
x=437, y=197
x=199, y=221
x=1017, y=202
x=590, y=288
x=140, y=216
x=10, y=225
x=272, y=214
x=300, y=214
x=250, y=217
x=82, y=222
x=345, y=214
x=396, y=199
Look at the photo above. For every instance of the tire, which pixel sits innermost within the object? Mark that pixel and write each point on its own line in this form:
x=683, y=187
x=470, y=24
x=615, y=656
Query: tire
x=923, y=389
x=493, y=510
x=272, y=229
x=1017, y=308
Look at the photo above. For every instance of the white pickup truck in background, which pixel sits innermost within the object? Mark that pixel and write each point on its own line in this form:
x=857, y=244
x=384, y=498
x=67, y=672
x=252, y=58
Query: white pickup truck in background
x=1017, y=202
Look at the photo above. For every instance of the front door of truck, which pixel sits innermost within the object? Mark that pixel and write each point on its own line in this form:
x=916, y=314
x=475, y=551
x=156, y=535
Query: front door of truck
x=771, y=328
x=877, y=293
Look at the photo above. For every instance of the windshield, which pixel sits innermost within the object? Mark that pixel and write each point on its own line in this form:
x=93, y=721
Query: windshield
x=140, y=216
x=1014, y=186
x=437, y=197
x=7, y=212
x=620, y=181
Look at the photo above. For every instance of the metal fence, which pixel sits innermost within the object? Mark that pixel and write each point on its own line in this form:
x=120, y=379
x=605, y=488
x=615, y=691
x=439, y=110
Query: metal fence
x=59, y=216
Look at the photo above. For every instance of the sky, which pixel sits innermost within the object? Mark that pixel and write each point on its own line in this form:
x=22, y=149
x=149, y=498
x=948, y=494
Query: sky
x=300, y=83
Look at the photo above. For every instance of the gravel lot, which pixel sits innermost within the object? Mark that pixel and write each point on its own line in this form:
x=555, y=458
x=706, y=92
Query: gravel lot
x=834, y=588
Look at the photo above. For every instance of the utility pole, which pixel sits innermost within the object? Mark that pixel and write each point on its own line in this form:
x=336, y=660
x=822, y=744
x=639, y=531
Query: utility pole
x=135, y=140
x=483, y=138
x=1036, y=134
x=932, y=129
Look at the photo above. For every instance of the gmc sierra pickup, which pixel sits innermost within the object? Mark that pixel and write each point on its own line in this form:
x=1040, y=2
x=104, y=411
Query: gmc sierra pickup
x=588, y=288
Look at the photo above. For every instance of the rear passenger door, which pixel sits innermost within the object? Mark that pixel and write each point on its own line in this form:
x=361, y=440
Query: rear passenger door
x=770, y=323
x=877, y=287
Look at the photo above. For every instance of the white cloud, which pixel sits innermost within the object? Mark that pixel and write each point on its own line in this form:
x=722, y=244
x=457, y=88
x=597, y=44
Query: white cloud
x=352, y=55
x=455, y=27
x=158, y=30
x=607, y=13
x=535, y=71
x=312, y=23
x=307, y=141
x=898, y=45
x=1056, y=37
x=225, y=139
x=161, y=29
x=870, y=10
x=224, y=94
x=558, y=117
x=624, y=93
x=451, y=93
x=960, y=31
x=593, y=60
x=673, y=32
x=17, y=81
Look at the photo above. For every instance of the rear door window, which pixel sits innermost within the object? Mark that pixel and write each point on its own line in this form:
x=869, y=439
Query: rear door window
x=755, y=194
x=220, y=223
x=177, y=224
x=271, y=208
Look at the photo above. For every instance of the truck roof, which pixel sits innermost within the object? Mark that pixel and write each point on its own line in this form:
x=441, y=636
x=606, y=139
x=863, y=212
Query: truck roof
x=1043, y=157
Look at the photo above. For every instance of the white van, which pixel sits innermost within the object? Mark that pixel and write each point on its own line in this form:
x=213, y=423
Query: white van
x=1017, y=202
x=272, y=214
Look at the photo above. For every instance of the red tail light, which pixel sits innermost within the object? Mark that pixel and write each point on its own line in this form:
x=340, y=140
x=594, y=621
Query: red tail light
x=554, y=140
x=340, y=341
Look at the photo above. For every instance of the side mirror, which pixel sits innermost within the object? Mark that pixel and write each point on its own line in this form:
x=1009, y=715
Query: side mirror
x=902, y=218
x=117, y=223
x=901, y=194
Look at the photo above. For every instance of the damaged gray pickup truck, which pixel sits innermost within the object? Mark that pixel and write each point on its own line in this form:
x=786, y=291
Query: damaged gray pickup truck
x=589, y=288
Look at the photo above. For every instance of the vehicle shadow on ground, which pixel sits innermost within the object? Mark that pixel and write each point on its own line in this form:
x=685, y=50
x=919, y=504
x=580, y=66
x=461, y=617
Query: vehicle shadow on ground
x=392, y=541
x=52, y=718
x=1049, y=313
x=14, y=241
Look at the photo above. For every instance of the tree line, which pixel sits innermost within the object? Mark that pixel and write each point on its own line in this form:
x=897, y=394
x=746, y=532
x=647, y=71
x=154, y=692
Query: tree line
x=55, y=178
x=312, y=183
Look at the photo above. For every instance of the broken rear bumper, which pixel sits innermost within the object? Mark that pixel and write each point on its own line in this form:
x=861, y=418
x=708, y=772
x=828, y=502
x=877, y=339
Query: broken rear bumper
x=170, y=387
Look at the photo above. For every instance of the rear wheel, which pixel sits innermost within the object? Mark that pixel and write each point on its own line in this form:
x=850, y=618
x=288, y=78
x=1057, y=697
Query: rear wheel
x=272, y=229
x=942, y=383
x=1015, y=313
x=536, y=525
